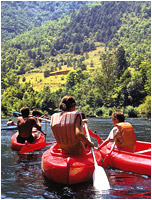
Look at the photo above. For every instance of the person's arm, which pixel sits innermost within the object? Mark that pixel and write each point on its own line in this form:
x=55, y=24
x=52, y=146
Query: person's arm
x=104, y=143
x=45, y=116
x=111, y=136
x=18, y=121
x=80, y=136
x=39, y=122
x=38, y=127
x=14, y=124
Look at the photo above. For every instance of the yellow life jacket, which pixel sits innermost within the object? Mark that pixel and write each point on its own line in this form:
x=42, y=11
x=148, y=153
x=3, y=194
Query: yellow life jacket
x=125, y=139
x=63, y=127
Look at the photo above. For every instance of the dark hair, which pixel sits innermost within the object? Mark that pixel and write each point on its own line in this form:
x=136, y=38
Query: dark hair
x=118, y=115
x=25, y=111
x=67, y=102
x=36, y=112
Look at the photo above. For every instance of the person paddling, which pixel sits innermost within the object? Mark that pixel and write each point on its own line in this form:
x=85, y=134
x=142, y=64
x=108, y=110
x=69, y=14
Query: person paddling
x=67, y=128
x=36, y=113
x=25, y=125
x=122, y=133
x=10, y=122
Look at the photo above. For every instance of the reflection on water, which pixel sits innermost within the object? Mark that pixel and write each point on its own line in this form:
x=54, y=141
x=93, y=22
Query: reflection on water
x=22, y=178
x=77, y=191
x=134, y=185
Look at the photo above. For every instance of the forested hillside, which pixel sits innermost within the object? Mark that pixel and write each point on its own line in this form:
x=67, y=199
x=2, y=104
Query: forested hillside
x=103, y=54
x=21, y=16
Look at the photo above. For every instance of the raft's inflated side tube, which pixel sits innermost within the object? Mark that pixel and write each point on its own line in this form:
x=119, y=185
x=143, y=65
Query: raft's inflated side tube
x=17, y=146
x=127, y=161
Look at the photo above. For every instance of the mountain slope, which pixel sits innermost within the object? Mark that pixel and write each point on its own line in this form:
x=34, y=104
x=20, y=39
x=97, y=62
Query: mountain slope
x=76, y=34
x=106, y=48
x=20, y=16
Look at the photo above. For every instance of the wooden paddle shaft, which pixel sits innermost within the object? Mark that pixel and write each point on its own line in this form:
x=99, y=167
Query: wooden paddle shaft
x=92, y=151
x=144, y=151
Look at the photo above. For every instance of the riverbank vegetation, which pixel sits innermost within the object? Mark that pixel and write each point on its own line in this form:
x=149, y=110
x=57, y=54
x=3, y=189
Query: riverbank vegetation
x=100, y=54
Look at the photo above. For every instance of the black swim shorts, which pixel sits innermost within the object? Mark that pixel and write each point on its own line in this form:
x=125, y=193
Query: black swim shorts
x=22, y=140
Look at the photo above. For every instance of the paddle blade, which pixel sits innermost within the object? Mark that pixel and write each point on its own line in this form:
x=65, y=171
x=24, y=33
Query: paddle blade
x=100, y=180
x=33, y=147
x=100, y=141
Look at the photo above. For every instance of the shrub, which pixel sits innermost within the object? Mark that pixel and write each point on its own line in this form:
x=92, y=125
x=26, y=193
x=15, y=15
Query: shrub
x=99, y=112
x=145, y=108
x=23, y=79
x=131, y=111
x=46, y=73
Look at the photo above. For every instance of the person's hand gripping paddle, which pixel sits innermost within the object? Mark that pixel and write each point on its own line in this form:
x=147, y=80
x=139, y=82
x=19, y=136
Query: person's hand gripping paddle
x=100, y=180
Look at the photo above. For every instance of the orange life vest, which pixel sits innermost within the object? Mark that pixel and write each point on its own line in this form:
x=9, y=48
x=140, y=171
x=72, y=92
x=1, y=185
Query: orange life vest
x=63, y=127
x=125, y=139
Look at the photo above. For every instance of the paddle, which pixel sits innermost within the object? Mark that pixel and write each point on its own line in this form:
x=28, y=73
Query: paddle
x=100, y=180
x=45, y=129
x=144, y=151
x=33, y=147
x=16, y=114
x=106, y=159
x=100, y=141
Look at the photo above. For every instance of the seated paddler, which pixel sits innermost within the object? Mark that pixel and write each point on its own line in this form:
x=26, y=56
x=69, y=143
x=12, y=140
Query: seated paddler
x=36, y=113
x=25, y=123
x=10, y=122
x=67, y=127
x=122, y=133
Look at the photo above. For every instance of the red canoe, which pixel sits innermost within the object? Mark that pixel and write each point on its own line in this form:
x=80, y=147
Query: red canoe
x=68, y=169
x=17, y=146
x=138, y=162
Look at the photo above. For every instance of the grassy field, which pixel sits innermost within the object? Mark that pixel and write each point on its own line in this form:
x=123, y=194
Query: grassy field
x=38, y=81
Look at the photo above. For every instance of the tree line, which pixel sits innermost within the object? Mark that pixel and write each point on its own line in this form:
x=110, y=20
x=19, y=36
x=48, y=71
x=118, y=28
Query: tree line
x=21, y=16
x=122, y=81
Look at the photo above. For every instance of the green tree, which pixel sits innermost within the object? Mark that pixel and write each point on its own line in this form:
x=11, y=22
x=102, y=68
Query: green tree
x=77, y=49
x=74, y=77
x=121, y=60
x=46, y=73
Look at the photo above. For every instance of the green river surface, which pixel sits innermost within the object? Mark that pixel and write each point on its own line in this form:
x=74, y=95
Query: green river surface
x=22, y=177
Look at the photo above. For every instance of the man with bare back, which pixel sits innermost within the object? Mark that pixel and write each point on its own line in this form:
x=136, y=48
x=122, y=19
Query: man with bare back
x=25, y=124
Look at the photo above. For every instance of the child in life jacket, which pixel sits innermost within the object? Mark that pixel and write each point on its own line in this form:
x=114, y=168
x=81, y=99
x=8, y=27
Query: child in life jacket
x=122, y=133
x=67, y=128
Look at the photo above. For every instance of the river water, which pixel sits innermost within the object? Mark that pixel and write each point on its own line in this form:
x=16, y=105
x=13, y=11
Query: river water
x=22, y=177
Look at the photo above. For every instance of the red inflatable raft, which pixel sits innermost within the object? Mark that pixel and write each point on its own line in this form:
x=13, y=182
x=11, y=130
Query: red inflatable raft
x=68, y=169
x=138, y=162
x=17, y=146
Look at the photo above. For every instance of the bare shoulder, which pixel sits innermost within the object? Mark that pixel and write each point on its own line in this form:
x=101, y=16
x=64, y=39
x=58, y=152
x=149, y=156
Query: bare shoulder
x=32, y=119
